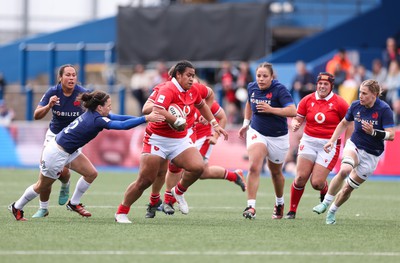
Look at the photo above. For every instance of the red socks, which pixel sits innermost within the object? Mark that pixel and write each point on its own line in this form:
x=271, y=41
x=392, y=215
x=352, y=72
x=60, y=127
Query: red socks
x=168, y=197
x=154, y=198
x=295, y=196
x=325, y=189
x=123, y=209
x=230, y=176
x=179, y=189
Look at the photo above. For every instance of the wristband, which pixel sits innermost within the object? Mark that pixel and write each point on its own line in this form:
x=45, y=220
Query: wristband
x=179, y=121
x=246, y=122
x=383, y=135
x=387, y=136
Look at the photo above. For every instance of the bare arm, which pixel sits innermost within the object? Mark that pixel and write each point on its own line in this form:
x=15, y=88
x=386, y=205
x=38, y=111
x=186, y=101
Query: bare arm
x=246, y=122
x=343, y=125
x=211, y=97
x=207, y=114
x=296, y=123
x=349, y=132
x=147, y=107
x=221, y=116
x=41, y=111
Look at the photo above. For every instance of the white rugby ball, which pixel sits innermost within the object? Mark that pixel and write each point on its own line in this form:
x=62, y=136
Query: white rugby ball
x=175, y=110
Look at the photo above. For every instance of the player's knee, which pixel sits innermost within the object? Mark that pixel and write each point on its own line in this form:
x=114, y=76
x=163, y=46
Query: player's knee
x=91, y=176
x=198, y=169
x=318, y=185
x=144, y=182
x=300, y=181
x=254, y=169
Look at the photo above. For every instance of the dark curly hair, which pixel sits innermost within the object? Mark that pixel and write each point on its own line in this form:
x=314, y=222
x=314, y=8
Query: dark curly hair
x=93, y=99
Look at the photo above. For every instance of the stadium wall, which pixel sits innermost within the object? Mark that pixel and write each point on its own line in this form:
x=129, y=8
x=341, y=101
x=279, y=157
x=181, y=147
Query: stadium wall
x=22, y=144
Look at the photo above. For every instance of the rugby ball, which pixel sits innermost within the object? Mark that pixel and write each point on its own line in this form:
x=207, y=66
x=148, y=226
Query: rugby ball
x=175, y=110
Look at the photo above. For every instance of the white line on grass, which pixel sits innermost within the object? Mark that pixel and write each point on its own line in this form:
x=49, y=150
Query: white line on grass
x=198, y=253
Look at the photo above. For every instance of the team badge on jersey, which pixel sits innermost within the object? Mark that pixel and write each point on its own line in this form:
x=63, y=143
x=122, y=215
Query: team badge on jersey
x=161, y=98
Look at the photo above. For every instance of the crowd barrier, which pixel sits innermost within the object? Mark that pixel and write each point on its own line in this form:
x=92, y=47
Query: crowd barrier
x=22, y=142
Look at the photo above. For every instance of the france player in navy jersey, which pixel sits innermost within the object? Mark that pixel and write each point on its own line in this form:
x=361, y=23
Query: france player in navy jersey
x=61, y=101
x=64, y=150
x=373, y=124
x=268, y=106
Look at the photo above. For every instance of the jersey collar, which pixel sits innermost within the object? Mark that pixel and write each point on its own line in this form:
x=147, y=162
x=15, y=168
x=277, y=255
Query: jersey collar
x=326, y=98
x=177, y=85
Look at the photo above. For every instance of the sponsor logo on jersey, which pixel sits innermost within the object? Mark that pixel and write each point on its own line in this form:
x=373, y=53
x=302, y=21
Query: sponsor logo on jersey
x=66, y=113
x=106, y=119
x=186, y=110
x=319, y=117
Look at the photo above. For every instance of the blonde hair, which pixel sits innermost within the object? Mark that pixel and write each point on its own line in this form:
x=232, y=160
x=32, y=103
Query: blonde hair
x=372, y=86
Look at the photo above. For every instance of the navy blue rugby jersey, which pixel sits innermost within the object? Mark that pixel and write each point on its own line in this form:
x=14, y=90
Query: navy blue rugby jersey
x=86, y=127
x=278, y=96
x=380, y=115
x=67, y=110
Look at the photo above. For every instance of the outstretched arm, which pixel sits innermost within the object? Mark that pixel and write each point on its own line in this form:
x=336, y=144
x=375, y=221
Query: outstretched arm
x=125, y=122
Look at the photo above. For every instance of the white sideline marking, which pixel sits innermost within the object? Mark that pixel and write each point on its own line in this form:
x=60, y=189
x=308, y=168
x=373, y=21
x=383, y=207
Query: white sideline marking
x=197, y=253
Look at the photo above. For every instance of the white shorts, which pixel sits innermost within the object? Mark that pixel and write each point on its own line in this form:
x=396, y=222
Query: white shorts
x=204, y=147
x=165, y=147
x=50, y=136
x=54, y=159
x=312, y=149
x=277, y=146
x=367, y=163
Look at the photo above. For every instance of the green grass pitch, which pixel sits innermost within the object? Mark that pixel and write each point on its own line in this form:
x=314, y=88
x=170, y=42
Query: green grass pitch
x=367, y=229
